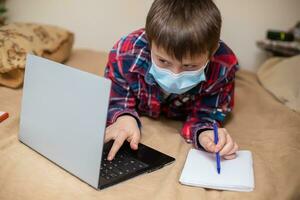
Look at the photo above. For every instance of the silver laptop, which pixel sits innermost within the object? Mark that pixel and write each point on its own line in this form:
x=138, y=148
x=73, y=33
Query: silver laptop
x=63, y=117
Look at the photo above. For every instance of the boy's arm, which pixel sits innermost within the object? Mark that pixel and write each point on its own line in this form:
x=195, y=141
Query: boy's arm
x=209, y=108
x=122, y=101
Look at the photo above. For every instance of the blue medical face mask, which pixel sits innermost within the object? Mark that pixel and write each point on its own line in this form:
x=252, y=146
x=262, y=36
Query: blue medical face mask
x=177, y=83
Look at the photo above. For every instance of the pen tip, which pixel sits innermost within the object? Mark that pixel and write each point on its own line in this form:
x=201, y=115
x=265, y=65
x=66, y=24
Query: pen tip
x=219, y=170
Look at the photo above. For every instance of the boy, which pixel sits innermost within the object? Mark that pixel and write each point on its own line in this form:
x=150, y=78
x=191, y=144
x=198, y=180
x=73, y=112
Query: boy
x=176, y=66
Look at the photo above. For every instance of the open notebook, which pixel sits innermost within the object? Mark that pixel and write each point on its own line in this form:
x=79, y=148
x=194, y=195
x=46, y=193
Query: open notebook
x=236, y=175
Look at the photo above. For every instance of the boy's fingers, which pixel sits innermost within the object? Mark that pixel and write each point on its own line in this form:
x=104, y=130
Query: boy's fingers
x=207, y=143
x=135, y=141
x=222, y=140
x=116, y=145
x=109, y=134
x=234, y=149
x=231, y=156
x=228, y=146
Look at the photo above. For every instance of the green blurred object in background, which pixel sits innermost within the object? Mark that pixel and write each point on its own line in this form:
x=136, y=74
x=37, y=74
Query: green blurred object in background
x=3, y=10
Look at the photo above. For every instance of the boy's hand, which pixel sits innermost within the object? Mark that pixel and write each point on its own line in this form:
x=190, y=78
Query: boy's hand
x=226, y=146
x=125, y=128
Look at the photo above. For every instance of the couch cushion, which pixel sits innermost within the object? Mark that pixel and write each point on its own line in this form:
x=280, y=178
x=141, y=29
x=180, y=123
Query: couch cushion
x=281, y=77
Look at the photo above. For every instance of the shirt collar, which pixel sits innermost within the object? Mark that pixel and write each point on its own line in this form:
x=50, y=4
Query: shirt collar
x=142, y=64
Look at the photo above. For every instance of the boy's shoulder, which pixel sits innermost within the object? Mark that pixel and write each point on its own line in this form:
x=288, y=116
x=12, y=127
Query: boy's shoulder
x=133, y=52
x=225, y=56
x=222, y=68
x=133, y=43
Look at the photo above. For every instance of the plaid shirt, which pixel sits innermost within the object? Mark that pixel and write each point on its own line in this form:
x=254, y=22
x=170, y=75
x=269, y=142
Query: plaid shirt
x=135, y=92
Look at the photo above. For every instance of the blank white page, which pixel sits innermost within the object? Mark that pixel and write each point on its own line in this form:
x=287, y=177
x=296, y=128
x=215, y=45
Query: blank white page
x=236, y=175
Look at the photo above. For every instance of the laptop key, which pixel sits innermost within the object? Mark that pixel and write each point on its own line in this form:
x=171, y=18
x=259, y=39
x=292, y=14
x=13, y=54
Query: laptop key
x=121, y=165
x=113, y=175
x=132, y=162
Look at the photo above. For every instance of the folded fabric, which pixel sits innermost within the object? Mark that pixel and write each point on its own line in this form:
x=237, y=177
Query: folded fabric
x=18, y=39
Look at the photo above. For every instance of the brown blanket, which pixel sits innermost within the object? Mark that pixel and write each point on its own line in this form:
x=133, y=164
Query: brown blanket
x=259, y=123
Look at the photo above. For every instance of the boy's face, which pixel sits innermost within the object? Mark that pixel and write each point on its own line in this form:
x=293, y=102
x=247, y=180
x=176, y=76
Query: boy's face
x=163, y=60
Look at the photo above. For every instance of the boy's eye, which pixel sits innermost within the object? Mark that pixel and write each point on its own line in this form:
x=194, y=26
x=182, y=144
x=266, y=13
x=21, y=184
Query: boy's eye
x=163, y=61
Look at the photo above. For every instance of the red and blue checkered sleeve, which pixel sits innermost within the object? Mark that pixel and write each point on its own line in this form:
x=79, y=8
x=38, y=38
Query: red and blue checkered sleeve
x=122, y=101
x=209, y=109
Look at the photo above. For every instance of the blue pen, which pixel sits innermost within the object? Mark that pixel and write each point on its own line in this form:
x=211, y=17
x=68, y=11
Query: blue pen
x=216, y=139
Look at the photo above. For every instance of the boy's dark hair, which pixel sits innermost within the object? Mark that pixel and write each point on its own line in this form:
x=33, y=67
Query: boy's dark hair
x=184, y=27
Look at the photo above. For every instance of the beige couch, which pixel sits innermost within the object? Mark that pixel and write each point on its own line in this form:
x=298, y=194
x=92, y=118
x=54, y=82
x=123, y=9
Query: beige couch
x=259, y=123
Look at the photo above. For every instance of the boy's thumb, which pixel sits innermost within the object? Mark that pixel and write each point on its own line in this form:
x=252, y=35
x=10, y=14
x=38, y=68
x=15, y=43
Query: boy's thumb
x=208, y=144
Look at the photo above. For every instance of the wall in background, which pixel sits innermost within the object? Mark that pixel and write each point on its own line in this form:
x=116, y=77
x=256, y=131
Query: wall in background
x=98, y=24
x=246, y=21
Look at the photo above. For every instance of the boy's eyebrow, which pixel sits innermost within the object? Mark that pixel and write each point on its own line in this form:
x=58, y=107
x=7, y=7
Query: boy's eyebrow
x=162, y=57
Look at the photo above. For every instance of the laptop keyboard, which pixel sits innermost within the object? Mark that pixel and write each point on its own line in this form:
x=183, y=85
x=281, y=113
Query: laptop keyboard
x=121, y=165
